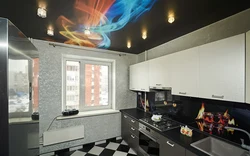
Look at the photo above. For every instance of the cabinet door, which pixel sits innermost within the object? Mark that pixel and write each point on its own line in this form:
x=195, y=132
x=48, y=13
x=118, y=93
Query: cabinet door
x=158, y=72
x=248, y=67
x=133, y=142
x=184, y=72
x=125, y=128
x=188, y=153
x=133, y=78
x=139, y=77
x=222, y=69
x=169, y=148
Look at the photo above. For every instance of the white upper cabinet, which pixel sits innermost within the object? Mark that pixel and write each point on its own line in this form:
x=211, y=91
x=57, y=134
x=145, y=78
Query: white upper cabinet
x=139, y=77
x=222, y=69
x=185, y=72
x=159, y=73
x=248, y=67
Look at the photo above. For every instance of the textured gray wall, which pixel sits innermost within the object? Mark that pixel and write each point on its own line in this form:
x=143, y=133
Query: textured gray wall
x=233, y=25
x=50, y=95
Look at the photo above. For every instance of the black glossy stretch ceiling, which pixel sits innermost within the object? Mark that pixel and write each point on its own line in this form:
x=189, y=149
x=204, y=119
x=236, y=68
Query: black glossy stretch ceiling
x=113, y=23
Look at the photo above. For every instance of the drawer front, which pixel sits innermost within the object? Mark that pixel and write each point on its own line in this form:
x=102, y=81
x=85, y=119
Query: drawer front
x=133, y=142
x=188, y=153
x=171, y=148
x=134, y=131
x=134, y=123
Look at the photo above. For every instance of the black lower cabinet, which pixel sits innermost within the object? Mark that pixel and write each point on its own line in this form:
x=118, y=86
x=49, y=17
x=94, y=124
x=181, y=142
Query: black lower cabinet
x=188, y=153
x=170, y=148
x=129, y=130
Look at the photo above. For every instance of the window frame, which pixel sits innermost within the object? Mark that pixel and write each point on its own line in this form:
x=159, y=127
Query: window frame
x=82, y=62
x=30, y=77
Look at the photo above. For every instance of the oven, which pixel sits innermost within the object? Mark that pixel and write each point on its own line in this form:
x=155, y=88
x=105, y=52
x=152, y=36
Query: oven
x=148, y=141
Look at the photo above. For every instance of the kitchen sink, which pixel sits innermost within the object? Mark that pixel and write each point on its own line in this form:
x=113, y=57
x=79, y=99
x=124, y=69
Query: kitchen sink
x=215, y=147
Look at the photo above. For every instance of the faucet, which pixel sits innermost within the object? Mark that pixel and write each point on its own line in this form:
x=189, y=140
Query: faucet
x=243, y=145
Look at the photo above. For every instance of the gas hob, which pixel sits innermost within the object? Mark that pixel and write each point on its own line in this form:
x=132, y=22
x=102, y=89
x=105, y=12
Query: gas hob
x=164, y=125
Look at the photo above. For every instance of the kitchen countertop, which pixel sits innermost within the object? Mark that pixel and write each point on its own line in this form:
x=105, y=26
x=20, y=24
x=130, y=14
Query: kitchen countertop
x=135, y=113
x=173, y=134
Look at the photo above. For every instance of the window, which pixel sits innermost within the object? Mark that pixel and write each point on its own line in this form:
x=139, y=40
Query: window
x=87, y=83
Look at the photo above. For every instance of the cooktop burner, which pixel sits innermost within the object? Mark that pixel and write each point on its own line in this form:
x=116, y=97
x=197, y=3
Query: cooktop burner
x=164, y=125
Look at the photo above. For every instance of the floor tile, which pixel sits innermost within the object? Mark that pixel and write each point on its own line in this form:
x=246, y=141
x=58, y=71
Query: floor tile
x=107, y=152
x=96, y=150
x=123, y=142
x=131, y=155
x=87, y=148
x=112, y=146
x=119, y=153
x=123, y=148
x=90, y=154
x=131, y=151
x=103, y=145
x=79, y=153
x=118, y=141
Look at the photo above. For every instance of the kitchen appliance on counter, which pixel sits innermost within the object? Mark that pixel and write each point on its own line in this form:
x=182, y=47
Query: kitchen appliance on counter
x=163, y=125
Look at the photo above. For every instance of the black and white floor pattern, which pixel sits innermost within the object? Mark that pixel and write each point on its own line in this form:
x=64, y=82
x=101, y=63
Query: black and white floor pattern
x=113, y=148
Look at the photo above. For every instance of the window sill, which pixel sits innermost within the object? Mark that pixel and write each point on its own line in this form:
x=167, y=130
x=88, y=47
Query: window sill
x=89, y=113
x=27, y=120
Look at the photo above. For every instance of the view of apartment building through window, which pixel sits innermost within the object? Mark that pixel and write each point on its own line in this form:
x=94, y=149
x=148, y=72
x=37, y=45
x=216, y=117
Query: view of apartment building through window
x=86, y=84
x=72, y=84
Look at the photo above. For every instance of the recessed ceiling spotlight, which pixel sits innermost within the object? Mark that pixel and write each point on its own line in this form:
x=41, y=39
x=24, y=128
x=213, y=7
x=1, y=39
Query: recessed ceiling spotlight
x=171, y=19
x=129, y=44
x=87, y=31
x=41, y=12
x=50, y=31
x=144, y=34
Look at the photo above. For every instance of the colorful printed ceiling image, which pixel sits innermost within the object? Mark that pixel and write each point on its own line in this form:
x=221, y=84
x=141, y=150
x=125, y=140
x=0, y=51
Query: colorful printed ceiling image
x=95, y=19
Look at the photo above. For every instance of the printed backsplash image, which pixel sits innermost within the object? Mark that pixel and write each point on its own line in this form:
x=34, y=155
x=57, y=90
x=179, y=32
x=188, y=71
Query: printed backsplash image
x=211, y=116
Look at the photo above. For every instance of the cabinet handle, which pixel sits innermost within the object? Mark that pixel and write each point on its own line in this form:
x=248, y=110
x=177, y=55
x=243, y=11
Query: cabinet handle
x=172, y=145
x=132, y=136
x=158, y=84
x=218, y=97
x=183, y=93
x=132, y=129
x=125, y=116
x=132, y=121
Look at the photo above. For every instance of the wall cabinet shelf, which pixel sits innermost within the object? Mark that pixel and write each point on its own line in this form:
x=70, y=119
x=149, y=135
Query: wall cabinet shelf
x=222, y=69
x=139, y=77
x=248, y=67
x=219, y=70
x=158, y=72
x=184, y=72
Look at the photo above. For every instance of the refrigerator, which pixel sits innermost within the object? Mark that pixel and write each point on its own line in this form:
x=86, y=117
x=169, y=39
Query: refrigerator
x=19, y=134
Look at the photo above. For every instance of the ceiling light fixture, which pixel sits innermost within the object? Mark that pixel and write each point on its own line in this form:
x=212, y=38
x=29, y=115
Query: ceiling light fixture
x=87, y=31
x=50, y=31
x=129, y=44
x=144, y=35
x=41, y=12
x=171, y=18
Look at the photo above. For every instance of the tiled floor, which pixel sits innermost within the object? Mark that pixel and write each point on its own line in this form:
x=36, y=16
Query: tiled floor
x=115, y=148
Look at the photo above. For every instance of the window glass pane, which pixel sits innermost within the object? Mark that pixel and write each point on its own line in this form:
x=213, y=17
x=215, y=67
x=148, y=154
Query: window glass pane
x=72, y=84
x=35, y=84
x=18, y=86
x=96, y=85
